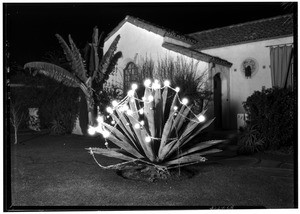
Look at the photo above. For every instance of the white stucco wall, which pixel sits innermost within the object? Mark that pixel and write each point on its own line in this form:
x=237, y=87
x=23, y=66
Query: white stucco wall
x=138, y=42
x=240, y=87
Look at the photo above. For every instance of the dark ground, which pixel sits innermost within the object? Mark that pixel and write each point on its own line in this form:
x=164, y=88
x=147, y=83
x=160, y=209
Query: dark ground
x=58, y=171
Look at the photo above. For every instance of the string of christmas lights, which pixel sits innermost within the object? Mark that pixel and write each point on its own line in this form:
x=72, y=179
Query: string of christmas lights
x=122, y=106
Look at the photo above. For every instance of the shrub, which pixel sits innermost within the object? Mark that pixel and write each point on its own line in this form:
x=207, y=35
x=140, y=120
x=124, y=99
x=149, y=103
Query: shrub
x=272, y=112
x=250, y=141
x=182, y=73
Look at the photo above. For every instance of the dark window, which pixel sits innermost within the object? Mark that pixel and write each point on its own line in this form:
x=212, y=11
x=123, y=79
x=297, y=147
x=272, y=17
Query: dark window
x=131, y=75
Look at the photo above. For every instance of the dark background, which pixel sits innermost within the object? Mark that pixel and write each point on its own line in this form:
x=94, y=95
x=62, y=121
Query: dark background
x=29, y=28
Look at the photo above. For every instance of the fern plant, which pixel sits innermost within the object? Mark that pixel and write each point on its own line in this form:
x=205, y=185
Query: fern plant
x=89, y=78
x=153, y=131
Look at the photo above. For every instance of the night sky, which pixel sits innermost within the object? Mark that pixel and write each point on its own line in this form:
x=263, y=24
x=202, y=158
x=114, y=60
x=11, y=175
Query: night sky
x=30, y=28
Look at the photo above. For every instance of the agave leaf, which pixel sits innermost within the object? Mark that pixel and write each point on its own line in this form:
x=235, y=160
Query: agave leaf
x=78, y=61
x=120, y=140
x=181, y=118
x=188, y=135
x=158, y=112
x=149, y=112
x=186, y=159
x=168, y=126
x=165, y=149
x=204, y=126
x=55, y=72
x=123, y=127
x=164, y=100
x=114, y=153
x=141, y=134
x=137, y=135
x=201, y=146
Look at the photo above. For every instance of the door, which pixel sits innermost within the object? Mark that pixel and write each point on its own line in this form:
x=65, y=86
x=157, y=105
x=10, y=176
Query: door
x=217, y=101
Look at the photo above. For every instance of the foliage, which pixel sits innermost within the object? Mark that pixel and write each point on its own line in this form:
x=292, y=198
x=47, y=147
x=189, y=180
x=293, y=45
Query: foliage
x=54, y=100
x=165, y=140
x=272, y=112
x=250, y=141
x=60, y=110
x=108, y=94
x=89, y=78
x=182, y=73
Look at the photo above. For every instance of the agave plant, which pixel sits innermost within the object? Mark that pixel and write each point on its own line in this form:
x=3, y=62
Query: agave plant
x=153, y=131
x=89, y=78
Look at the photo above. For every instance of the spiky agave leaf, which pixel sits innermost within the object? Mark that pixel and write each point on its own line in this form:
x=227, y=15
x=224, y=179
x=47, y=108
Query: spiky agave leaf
x=114, y=153
x=169, y=146
x=55, y=72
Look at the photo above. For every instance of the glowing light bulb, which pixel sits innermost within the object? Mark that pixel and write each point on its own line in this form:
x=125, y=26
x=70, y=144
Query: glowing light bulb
x=100, y=119
x=141, y=111
x=109, y=110
x=114, y=103
x=166, y=83
x=105, y=134
x=147, y=82
x=113, y=122
x=142, y=122
x=201, y=118
x=137, y=126
x=134, y=86
x=150, y=98
x=177, y=89
x=156, y=85
x=147, y=139
x=175, y=108
x=129, y=112
x=99, y=129
x=185, y=101
x=130, y=93
x=91, y=130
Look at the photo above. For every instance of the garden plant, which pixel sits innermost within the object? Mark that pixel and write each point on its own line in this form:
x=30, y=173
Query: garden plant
x=88, y=74
x=152, y=132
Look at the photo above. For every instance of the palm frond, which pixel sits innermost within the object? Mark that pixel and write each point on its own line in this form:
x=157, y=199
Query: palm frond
x=66, y=49
x=55, y=72
x=108, y=55
x=77, y=61
x=102, y=78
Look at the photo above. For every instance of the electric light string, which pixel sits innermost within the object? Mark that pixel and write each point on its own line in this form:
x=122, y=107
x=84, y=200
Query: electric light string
x=122, y=106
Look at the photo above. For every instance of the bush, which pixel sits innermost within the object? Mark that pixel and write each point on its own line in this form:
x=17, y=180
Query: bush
x=57, y=103
x=272, y=112
x=182, y=73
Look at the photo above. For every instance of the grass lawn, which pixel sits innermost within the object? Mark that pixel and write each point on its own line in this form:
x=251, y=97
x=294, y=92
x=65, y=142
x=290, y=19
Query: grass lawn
x=58, y=171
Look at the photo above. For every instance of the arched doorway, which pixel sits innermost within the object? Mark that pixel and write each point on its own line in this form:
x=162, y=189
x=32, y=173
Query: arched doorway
x=218, y=101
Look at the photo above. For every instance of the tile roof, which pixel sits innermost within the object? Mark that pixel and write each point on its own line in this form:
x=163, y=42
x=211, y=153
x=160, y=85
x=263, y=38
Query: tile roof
x=153, y=28
x=196, y=54
x=275, y=27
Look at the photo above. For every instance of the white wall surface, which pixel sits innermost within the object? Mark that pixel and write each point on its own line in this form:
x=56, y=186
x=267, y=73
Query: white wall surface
x=136, y=43
x=240, y=87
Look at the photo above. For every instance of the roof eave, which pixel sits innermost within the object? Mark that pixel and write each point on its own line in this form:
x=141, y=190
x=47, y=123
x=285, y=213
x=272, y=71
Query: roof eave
x=196, y=54
x=241, y=43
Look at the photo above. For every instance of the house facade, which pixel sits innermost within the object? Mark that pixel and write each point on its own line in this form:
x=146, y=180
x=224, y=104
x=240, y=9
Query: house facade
x=238, y=59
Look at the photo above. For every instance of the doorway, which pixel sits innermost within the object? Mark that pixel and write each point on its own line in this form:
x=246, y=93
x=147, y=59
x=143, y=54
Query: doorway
x=217, y=101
